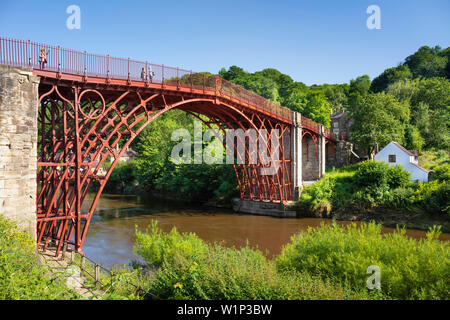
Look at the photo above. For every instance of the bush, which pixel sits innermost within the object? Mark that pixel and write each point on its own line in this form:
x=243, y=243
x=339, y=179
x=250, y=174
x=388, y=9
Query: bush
x=397, y=177
x=400, y=198
x=434, y=196
x=378, y=174
x=189, y=268
x=371, y=174
x=123, y=178
x=441, y=173
x=158, y=247
x=21, y=275
x=410, y=269
x=334, y=189
x=366, y=184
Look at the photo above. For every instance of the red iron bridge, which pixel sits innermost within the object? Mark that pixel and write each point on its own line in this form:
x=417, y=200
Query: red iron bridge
x=89, y=103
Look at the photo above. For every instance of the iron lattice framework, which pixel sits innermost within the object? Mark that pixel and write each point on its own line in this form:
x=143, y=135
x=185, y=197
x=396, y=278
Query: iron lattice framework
x=90, y=104
x=80, y=127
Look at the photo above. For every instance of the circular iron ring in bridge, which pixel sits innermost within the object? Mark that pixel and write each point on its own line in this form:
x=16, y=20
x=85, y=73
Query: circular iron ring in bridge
x=91, y=108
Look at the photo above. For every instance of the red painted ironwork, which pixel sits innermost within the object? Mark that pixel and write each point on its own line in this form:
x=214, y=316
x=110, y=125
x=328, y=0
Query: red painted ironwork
x=89, y=103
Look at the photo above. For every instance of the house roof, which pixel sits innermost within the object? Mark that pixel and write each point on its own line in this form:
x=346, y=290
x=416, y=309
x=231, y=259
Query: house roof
x=410, y=152
x=422, y=168
x=337, y=115
x=129, y=153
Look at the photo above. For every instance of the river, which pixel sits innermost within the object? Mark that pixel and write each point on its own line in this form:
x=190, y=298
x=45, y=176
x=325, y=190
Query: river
x=111, y=234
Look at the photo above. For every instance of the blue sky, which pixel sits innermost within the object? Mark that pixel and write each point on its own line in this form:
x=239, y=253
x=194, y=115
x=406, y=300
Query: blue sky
x=312, y=41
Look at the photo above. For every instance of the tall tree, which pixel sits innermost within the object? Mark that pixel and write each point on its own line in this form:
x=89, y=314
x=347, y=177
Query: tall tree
x=389, y=76
x=379, y=118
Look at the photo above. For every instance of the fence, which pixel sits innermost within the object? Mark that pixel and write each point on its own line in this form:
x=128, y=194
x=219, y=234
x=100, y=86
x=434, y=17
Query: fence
x=94, y=270
x=27, y=53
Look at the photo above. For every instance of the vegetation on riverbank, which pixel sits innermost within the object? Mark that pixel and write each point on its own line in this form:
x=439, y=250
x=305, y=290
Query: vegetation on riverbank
x=408, y=104
x=186, y=267
x=410, y=269
x=372, y=186
x=22, y=277
x=329, y=262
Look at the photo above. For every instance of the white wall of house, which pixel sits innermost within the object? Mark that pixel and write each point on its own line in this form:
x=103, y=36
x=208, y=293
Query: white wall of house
x=404, y=159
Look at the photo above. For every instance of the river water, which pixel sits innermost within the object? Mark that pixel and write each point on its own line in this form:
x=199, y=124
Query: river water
x=111, y=233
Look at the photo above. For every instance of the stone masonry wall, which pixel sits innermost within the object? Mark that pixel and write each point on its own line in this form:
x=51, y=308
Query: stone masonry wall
x=310, y=160
x=18, y=145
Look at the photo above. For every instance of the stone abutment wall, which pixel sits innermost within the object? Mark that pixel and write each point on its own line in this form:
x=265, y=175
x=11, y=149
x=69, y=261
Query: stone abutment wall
x=18, y=145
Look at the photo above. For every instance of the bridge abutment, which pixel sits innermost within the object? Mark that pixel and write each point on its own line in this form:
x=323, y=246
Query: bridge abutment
x=18, y=145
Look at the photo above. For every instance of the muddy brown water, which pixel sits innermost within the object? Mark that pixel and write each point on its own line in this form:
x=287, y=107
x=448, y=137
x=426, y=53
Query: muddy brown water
x=111, y=234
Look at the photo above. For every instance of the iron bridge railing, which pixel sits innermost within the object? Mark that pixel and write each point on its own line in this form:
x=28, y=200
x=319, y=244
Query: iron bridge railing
x=26, y=54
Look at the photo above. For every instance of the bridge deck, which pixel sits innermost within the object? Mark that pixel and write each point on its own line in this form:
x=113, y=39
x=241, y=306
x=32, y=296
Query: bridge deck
x=88, y=68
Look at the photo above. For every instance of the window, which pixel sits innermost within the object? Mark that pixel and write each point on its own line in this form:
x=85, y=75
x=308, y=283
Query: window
x=392, y=158
x=335, y=124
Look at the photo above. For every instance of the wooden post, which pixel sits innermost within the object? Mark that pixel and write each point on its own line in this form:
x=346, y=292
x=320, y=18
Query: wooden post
x=63, y=254
x=97, y=273
x=83, y=260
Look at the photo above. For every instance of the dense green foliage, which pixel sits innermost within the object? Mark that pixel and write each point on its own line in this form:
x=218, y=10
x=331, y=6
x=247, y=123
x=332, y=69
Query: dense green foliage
x=189, y=268
x=21, y=275
x=410, y=269
x=270, y=83
x=371, y=183
x=329, y=262
x=409, y=104
x=154, y=172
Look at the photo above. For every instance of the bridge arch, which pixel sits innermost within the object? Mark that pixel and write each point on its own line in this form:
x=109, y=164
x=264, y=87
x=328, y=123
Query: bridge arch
x=80, y=127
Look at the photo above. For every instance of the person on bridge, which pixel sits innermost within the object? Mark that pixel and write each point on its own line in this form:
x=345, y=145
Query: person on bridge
x=42, y=58
x=143, y=74
x=151, y=74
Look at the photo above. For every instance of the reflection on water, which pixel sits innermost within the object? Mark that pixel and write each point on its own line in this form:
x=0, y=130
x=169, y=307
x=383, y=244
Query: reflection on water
x=110, y=237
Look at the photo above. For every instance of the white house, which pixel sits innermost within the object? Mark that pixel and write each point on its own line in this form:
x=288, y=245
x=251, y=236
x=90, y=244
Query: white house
x=395, y=154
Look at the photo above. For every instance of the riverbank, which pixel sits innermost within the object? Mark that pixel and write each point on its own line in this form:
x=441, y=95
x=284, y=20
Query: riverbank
x=328, y=262
x=374, y=191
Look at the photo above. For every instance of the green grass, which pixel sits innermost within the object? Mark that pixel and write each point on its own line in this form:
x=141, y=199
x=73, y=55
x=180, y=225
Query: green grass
x=22, y=277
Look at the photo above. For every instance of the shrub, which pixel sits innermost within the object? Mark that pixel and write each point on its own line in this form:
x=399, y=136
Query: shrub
x=434, y=196
x=192, y=269
x=123, y=178
x=21, y=275
x=400, y=198
x=441, y=173
x=371, y=174
x=397, y=177
x=410, y=269
x=157, y=246
x=377, y=174
x=334, y=189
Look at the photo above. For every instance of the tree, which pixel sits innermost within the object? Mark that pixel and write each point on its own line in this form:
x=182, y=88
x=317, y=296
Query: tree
x=428, y=62
x=413, y=138
x=378, y=118
x=317, y=107
x=429, y=101
x=389, y=76
x=359, y=88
